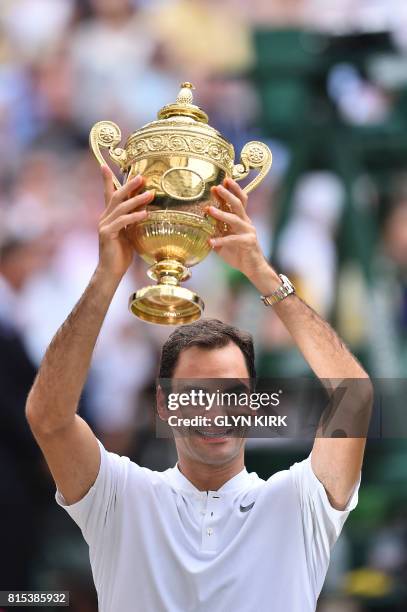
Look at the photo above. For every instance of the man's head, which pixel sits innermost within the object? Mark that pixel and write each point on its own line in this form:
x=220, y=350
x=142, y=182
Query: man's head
x=207, y=349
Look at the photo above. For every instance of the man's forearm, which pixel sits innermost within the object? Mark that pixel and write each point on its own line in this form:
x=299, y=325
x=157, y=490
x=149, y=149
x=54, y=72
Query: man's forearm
x=55, y=395
x=321, y=347
x=332, y=362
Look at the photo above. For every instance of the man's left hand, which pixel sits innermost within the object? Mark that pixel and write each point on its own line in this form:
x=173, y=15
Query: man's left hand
x=239, y=247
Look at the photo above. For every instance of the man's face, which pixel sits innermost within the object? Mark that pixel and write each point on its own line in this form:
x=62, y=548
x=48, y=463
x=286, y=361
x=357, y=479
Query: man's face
x=210, y=364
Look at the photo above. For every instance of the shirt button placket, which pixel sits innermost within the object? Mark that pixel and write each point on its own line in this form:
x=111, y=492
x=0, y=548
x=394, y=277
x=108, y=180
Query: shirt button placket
x=209, y=535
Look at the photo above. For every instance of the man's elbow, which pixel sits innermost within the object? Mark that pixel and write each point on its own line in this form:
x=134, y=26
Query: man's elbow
x=34, y=416
x=349, y=411
x=365, y=394
x=40, y=417
x=31, y=412
x=360, y=406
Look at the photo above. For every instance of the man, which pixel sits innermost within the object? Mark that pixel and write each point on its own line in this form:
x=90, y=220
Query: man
x=204, y=535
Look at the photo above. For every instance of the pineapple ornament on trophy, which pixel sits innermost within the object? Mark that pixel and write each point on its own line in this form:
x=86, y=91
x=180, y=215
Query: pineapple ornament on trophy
x=181, y=157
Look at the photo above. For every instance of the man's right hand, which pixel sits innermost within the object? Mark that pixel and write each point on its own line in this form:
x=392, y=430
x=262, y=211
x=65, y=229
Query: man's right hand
x=124, y=206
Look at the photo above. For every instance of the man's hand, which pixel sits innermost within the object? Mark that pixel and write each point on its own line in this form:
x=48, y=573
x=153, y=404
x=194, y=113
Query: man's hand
x=124, y=206
x=239, y=247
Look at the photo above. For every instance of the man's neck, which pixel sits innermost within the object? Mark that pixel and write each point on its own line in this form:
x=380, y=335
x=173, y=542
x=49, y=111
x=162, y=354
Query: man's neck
x=206, y=477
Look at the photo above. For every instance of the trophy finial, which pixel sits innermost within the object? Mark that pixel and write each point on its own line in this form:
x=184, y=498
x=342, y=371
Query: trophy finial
x=185, y=95
x=184, y=106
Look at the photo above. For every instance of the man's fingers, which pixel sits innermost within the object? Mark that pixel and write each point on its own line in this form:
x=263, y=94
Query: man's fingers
x=235, y=188
x=142, y=199
x=235, y=204
x=217, y=243
x=237, y=224
x=120, y=195
x=123, y=221
x=247, y=240
x=108, y=185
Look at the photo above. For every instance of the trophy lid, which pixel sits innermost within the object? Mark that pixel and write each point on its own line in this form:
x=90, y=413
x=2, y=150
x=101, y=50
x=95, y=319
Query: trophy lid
x=183, y=107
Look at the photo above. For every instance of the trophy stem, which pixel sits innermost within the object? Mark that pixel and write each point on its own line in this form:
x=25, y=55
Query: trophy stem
x=166, y=303
x=169, y=272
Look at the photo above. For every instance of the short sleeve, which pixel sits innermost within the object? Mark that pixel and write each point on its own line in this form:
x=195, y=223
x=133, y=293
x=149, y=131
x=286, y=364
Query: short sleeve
x=322, y=523
x=95, y=511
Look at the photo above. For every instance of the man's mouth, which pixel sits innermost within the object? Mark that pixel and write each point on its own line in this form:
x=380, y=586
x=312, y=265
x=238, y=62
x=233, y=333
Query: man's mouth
x=223, y=433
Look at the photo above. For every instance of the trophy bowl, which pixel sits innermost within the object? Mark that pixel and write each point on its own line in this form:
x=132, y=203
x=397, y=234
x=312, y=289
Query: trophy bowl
x=181, y=157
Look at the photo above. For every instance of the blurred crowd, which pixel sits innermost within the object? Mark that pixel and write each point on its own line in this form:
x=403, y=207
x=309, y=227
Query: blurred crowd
x=332, y=215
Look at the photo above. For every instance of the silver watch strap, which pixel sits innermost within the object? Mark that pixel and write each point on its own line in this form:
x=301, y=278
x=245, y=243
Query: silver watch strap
x=285, y=289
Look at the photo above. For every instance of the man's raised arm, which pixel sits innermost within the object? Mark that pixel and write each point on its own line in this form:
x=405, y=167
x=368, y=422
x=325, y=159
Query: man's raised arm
x=69, y=446
x=338, y=450
x=336, y=461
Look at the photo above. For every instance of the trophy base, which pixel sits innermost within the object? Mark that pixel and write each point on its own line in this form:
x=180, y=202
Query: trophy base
x=166, y=305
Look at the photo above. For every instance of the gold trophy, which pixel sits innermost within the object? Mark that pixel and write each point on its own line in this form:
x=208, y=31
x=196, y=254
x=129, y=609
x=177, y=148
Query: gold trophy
x=181, y=157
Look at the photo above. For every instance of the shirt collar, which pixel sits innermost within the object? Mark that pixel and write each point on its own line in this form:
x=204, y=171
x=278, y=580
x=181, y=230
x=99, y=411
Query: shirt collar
x=180, y=482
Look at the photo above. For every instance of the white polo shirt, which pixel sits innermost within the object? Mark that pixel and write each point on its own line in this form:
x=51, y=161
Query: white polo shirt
x=157, y=544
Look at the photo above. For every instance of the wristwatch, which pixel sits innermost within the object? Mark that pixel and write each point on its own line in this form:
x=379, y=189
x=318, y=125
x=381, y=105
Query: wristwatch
x=285, y=289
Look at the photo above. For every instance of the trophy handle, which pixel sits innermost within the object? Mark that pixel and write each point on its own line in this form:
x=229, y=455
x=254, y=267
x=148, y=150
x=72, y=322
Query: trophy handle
x=254, y=155
x=107, y=134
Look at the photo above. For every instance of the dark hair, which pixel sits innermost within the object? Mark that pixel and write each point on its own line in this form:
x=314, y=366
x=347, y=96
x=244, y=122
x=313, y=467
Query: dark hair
x=209, y=334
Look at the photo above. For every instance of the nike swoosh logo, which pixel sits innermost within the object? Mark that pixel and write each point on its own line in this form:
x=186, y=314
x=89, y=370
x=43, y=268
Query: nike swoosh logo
x=246, y=508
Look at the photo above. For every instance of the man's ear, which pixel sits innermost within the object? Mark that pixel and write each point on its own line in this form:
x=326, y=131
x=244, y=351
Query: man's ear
x=161, y=400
